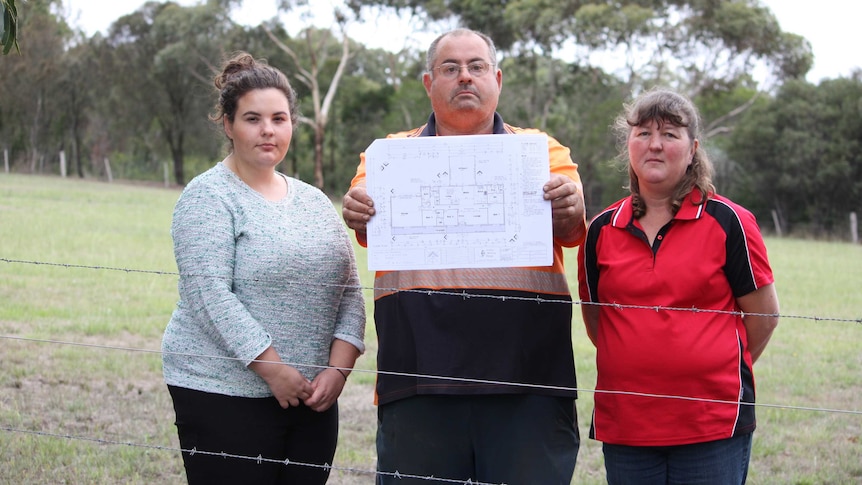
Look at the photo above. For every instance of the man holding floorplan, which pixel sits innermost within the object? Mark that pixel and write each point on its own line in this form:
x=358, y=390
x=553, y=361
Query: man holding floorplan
x=508, y=415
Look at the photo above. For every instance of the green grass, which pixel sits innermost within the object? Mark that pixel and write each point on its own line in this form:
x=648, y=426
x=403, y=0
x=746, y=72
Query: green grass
x=52, y=231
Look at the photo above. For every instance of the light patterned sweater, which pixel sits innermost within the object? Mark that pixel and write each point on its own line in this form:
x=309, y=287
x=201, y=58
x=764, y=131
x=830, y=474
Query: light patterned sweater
x=255, y=273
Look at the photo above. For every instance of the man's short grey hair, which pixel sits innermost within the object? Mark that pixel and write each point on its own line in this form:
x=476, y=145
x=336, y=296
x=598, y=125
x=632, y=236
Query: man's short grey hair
x=431, y=57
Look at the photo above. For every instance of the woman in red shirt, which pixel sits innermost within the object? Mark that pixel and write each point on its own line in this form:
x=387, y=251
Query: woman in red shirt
x=684, y=305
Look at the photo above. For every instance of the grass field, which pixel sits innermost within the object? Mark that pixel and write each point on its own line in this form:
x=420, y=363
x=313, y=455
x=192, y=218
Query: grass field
x=91, y=263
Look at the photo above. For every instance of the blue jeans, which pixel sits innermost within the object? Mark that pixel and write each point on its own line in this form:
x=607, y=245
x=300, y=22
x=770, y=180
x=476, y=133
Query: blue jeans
x=513, y=439
x=721, y=462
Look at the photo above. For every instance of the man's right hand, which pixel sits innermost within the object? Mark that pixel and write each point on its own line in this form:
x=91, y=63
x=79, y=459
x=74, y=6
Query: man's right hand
x=357, y=208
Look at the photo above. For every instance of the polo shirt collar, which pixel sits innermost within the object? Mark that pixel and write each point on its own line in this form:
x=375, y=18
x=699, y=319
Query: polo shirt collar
x=689, y=210
x=431, y=126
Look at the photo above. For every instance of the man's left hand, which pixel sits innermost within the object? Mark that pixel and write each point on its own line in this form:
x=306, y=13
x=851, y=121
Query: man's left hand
x=567, y=207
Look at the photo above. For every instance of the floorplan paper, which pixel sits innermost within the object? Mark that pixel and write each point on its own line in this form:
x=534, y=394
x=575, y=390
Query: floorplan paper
x=458, y=202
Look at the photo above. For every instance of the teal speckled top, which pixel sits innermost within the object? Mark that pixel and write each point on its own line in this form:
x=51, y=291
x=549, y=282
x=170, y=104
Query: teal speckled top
x=255, y=273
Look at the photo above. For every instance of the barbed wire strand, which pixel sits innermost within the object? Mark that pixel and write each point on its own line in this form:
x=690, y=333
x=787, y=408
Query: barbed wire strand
x=467, y=380
x=460, y=294
x=259, y=458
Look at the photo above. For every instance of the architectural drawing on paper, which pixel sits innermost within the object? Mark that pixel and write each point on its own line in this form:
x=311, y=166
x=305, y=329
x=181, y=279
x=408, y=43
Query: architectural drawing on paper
x=467, y=201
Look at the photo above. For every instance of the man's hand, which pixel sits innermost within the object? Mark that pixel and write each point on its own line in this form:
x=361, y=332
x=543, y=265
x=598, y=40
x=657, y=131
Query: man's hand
x=567, y=207
x=357, y=208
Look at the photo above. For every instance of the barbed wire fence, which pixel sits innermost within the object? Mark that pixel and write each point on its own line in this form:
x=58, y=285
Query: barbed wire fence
x=394, y=473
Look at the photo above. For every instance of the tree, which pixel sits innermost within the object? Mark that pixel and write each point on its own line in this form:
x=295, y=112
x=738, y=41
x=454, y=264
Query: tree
x=371, y=104
x=167, y=54
x=76, y=71
x=721, y=108
x=34, y=86
x=122, y=124
x=316, y=46
x=576, y=104
x=802, y=154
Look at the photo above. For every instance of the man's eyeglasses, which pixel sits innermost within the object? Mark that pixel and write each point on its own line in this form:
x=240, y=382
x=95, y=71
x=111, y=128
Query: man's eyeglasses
x=450, y=70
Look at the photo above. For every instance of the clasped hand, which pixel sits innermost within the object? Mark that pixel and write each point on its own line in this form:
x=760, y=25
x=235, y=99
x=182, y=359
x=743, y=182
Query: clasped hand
x=290, y=388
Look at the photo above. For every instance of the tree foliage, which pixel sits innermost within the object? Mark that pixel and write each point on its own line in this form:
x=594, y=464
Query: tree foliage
x=575, y=104
x=140, y=95
x=686, y=42
x=801, y=154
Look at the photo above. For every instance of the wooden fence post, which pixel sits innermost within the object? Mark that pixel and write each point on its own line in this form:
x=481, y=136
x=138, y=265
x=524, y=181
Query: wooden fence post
x=854, y=228
x=63, y=163
x=108, y=171
x=6, y=159
x=776, y=222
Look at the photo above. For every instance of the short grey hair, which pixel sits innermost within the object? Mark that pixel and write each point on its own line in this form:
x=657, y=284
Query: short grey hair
x=431, y=57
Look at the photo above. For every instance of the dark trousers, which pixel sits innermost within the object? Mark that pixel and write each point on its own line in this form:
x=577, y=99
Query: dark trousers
x=512, y=439
x=252, y=427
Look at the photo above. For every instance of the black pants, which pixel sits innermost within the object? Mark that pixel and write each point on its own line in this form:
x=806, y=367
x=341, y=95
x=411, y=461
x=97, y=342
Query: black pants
x=252, y=427
x=517, y=439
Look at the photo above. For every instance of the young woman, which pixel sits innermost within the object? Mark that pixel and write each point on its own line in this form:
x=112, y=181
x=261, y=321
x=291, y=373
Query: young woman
x=271, y=317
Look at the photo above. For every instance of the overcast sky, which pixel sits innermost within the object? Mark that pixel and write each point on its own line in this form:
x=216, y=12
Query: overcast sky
x=827, y=24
